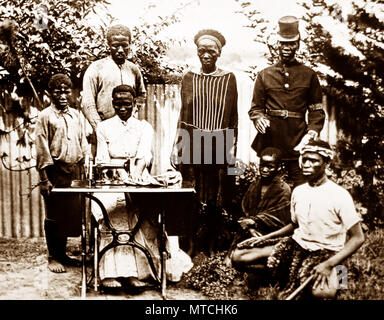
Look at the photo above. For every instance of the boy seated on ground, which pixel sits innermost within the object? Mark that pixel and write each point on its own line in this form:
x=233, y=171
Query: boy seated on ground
x=266, y=203
x=326, y=230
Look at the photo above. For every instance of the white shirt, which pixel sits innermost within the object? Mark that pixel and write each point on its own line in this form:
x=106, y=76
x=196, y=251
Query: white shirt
x=117, y=139
x=324, y=214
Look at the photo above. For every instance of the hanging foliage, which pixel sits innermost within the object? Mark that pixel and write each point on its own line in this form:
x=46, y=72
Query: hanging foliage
x=39, y=38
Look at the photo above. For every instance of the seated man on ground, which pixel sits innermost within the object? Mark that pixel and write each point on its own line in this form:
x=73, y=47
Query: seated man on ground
x=326, y=230
x=121, y=138
x=266, y=202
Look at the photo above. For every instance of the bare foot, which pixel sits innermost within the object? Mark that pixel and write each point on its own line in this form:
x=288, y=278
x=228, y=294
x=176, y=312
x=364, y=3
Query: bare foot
x=136, y=283
x=110, y=283
x=55, y=266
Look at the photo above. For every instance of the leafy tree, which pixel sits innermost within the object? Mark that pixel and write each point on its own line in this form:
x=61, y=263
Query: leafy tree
x=355, y=87
x=45, y=37
x=40, y=38
x=150, y=46
x=346, y=49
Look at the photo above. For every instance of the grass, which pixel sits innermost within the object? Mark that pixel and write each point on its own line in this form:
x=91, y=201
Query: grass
x=365, y=275
x=23, y=258
x=365, y=270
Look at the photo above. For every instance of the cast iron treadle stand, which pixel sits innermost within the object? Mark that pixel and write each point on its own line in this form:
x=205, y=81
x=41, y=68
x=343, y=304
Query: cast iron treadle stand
x=121, y=238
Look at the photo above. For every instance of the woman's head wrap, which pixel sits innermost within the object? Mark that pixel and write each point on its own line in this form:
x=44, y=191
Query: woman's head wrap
x=320, y=147
x=211, y=34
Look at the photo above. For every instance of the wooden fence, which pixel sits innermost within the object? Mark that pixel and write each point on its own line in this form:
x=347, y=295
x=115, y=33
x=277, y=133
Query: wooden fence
x=21, y=206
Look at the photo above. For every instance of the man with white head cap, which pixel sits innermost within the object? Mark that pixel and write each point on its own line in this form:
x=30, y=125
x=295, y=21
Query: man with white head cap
x=326, y=230
x=284, y=95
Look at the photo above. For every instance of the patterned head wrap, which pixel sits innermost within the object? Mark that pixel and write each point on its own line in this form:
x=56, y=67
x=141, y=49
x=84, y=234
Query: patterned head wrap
x=210, y=34
x=322, y=150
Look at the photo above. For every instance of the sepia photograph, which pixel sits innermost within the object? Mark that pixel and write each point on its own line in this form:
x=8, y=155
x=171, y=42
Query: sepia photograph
x=211, y=152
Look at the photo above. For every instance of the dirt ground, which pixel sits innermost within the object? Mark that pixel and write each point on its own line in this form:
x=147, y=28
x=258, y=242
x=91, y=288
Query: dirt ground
x=24, y=276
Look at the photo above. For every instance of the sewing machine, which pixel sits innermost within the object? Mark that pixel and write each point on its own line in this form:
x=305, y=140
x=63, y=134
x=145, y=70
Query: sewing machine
x=97, y=175
x=93, y=184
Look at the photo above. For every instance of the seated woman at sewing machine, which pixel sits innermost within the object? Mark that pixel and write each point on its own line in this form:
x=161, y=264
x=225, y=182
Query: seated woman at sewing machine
x=121, y=138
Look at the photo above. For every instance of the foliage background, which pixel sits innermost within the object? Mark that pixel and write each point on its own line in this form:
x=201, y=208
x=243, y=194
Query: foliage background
x=346, y=49
x=40, y=38
x=46, y=37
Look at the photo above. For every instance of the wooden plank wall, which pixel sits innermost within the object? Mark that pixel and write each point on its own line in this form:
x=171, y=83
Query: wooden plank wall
x=21, y=206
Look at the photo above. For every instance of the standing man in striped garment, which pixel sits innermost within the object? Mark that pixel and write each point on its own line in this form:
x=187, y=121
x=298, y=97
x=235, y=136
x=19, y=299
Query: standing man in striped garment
x=207, y=133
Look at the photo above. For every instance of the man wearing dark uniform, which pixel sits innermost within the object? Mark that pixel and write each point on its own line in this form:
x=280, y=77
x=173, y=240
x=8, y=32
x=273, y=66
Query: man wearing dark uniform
x=284, y=94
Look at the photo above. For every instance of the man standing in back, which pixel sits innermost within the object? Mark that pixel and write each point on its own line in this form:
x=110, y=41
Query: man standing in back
x=105, y=74
x=284, y=95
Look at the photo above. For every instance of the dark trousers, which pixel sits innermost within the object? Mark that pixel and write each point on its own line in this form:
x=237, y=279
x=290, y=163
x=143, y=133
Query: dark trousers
x=63, y=211
x=56, y=244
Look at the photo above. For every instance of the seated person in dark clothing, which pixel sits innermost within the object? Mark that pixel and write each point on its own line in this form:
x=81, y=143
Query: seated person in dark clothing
x=267, y=201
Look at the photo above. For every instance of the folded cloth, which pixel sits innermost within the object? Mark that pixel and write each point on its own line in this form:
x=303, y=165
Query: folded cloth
x=179, y=262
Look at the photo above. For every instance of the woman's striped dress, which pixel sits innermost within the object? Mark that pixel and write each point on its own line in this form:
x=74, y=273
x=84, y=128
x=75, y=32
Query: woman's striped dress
x=209, y=110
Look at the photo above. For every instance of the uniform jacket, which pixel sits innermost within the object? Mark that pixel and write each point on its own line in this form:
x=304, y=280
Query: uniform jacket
x=292, y=87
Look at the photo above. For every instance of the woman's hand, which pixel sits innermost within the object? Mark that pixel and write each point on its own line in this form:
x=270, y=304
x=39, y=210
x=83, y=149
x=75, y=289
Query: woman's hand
x=140, y=165
x=136, y=170
x=174, y=177
x=170, y=177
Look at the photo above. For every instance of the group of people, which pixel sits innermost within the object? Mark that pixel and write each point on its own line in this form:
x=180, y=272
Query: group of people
x=288, y=236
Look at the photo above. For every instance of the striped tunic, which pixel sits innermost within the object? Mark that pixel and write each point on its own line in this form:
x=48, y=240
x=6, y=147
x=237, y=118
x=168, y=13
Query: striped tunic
x=209, y=102
x=209, y=110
